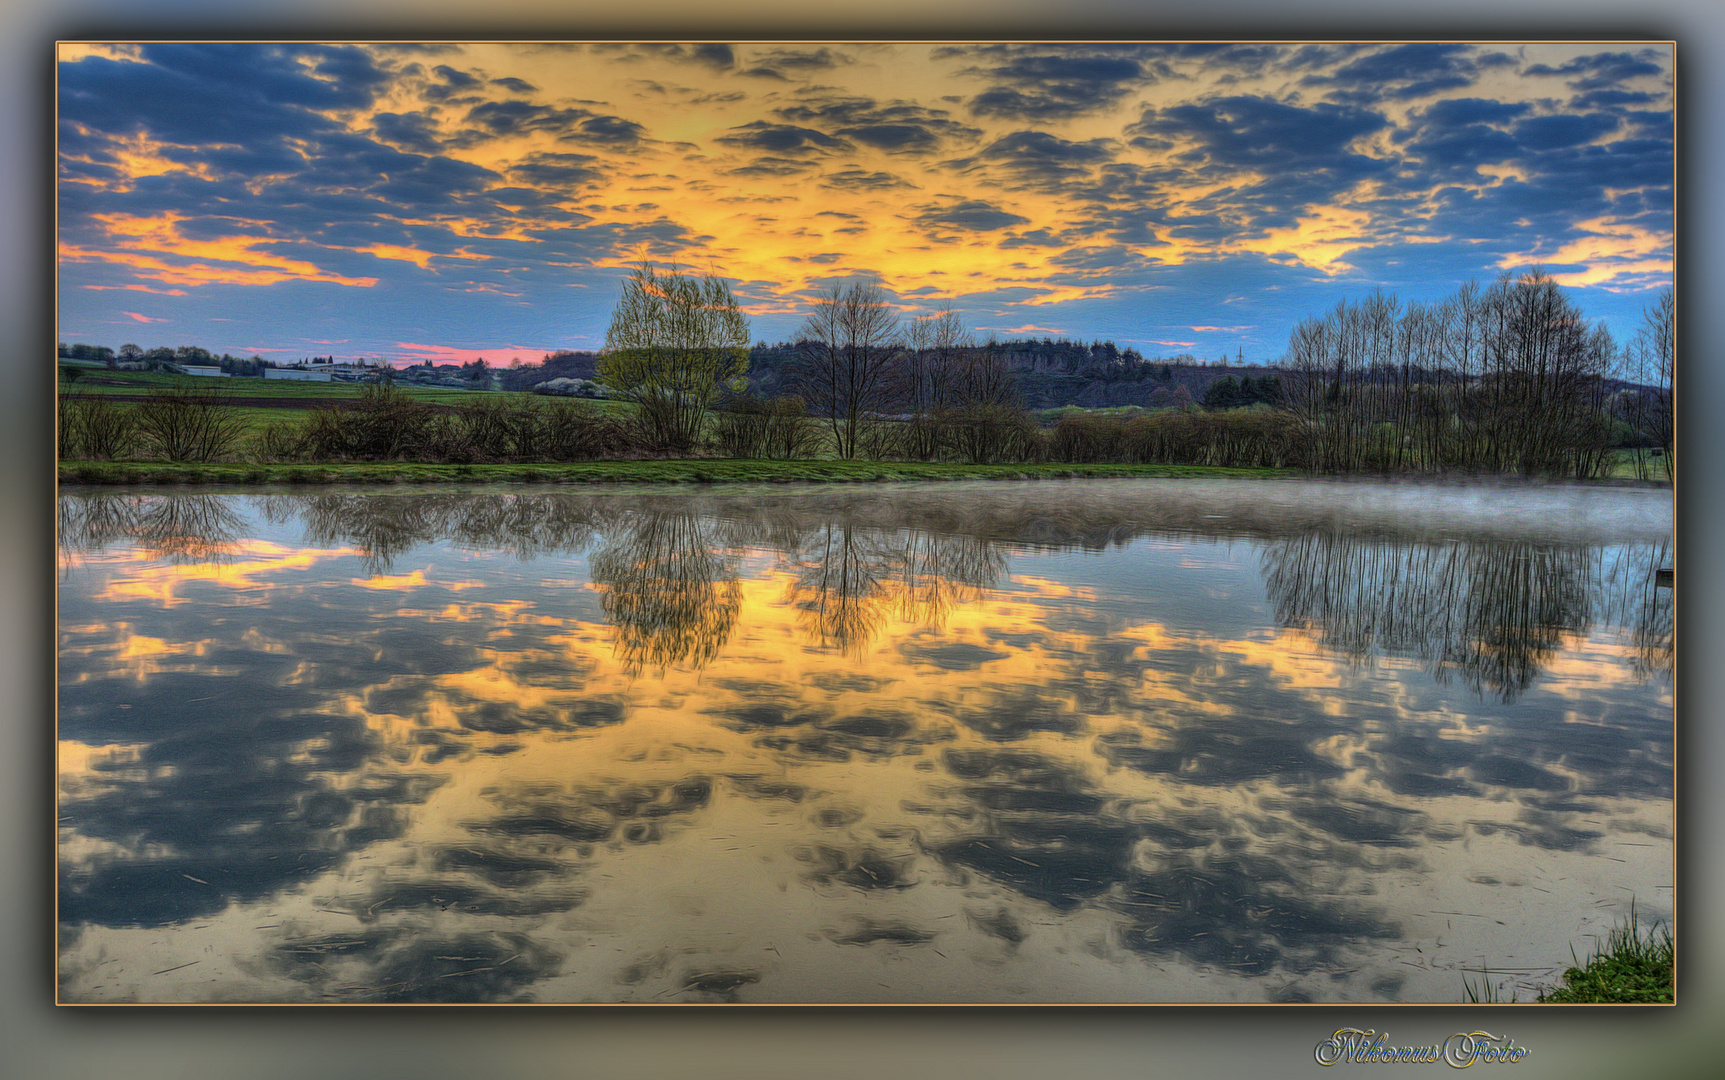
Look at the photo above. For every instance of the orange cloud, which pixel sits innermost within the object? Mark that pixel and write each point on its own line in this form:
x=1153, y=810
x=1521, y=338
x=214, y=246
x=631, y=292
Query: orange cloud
x=137, y=288
x=421, y=259
x=1607, y=250
x=142, y=241
x=1319, y=241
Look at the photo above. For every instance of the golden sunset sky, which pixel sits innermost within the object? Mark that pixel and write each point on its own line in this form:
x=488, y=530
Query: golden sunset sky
x=454, y=201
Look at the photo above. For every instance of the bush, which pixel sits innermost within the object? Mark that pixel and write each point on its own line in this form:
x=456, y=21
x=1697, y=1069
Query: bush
x=66, y=433
x=740, y=431
x=983, y=434
x=752, y=427
x=1235, y=438
x=188, y=424
x=575, y=433
x=1085, y=439
x=107, y=430
x=383, y=424
x=284, y=440
x=94, y=427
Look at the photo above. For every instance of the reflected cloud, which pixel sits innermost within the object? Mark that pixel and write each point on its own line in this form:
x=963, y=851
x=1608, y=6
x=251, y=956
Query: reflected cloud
x=231, y=806
x=397, y=965
x=1186, y=884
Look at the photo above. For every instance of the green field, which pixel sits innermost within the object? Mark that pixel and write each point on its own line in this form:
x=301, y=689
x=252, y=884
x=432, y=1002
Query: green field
x=1635, y=465
x=262, y=402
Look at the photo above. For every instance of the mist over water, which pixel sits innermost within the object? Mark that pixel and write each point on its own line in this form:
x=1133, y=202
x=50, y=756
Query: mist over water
x=1089, y=741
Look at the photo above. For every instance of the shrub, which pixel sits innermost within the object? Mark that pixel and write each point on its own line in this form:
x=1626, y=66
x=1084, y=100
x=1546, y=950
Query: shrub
x=982, y=434
x=575, y=433
x=67, y=437
x=284, y=440
x=94, y=427
x=1084, y=439
x=1235, y=438
x=791, y=432
x=383, y=423
x=756, y=428
x=188, y=424
x=741, y=430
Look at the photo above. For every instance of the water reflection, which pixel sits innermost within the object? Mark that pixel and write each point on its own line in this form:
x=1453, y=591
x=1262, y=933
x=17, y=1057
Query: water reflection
x=543, y=745
x=1491, y=612
x=670, y=590
x=185, y=529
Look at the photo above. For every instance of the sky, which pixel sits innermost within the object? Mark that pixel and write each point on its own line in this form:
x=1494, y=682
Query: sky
x=450, y=202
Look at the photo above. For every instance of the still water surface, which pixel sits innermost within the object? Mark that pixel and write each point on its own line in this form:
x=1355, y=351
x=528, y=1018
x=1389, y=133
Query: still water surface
x=1096, y=741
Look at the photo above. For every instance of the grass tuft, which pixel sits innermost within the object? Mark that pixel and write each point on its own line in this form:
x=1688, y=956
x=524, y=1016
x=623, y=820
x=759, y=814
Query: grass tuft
x=1628, y=967
x=1631, y=967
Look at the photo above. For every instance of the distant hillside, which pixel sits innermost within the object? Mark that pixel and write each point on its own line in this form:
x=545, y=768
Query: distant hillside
x=562, y=364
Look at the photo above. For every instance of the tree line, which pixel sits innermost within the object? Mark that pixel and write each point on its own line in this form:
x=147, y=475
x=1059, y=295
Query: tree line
x=1506, y=379
x=1509, y=379
x=161, y=357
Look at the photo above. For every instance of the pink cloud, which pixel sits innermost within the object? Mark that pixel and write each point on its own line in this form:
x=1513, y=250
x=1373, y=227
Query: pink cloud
x=142, y=318
x=501, y=356
x=1026, y=329
x=1173, y=344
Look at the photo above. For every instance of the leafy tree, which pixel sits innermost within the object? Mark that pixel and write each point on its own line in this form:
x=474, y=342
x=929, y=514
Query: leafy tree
x=673, y=342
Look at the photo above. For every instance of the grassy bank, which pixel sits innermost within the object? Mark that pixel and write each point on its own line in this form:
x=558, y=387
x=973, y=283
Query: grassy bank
x=1629, y=968
x=698, y=471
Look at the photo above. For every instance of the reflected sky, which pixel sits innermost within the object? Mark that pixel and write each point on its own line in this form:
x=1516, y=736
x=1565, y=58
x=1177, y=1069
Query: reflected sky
x=1135, y=741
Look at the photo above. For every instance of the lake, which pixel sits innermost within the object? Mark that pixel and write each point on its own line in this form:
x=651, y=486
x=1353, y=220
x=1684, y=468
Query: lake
x=1087, y=741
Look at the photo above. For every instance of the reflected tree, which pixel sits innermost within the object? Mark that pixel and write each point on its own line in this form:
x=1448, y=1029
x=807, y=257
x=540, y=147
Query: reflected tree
x=179, y=529
x=849, y=578
x=385, y=527
x=670, y=590
x=940, y=572
x=840, y=590
x=1632, y=598
x=190, y=528
x=1494, y=612
x=88, y=524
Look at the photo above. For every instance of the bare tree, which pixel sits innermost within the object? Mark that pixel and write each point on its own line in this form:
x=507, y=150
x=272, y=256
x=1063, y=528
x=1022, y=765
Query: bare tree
x=934, y=345
x=1653, y=355
x=849, y=347
x=983, y=416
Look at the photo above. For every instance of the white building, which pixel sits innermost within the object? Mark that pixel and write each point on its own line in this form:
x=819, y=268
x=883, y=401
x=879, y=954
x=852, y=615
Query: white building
x=297, y=373
x=206, y=370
